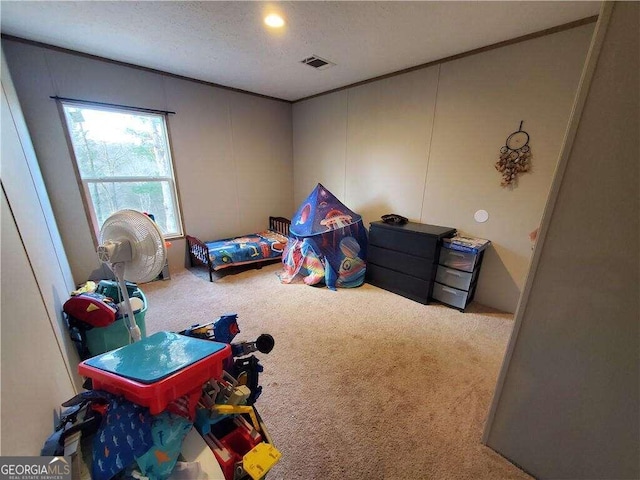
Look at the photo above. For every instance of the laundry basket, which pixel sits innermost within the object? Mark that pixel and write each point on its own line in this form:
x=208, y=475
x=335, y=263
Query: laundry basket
x=116, y=335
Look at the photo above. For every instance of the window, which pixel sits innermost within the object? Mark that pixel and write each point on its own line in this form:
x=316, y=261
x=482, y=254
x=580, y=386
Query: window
x=124, y=161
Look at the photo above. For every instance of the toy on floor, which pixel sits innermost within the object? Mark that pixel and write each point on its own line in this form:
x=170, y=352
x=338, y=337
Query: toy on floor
x=242, y=448
x=148, y=395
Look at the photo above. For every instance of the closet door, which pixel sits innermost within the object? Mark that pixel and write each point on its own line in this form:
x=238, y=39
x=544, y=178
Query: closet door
x=568, y=402
x=38, y=361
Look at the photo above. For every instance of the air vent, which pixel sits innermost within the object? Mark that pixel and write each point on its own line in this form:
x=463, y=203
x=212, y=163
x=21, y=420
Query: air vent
x=317, y=62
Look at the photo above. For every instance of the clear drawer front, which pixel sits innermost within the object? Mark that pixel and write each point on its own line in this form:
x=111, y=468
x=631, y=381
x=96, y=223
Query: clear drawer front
x=458, y=260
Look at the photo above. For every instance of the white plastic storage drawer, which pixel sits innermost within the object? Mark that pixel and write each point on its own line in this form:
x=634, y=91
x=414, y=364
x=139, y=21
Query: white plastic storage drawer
x=454, y=278
x=458, y=260
x=451, y=296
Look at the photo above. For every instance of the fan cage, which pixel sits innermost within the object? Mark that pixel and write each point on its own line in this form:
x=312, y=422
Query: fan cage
x=149, y=253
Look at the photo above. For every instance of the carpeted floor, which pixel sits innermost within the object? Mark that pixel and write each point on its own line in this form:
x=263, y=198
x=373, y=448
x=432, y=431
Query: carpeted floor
x=362, y=383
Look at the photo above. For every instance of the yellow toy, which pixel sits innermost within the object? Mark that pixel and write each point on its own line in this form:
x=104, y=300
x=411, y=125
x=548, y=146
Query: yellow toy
x=259, y=460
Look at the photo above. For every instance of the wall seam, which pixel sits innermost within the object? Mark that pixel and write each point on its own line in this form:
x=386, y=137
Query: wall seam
x=429, y=144
x=51, y=77
x=346, y=146
x=234, y=161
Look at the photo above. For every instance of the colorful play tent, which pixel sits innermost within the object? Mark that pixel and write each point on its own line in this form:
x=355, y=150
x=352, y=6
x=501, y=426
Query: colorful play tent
x=328, y=242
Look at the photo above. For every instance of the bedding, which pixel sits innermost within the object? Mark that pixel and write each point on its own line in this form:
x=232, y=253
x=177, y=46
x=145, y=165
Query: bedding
x=255, y=248
x=247, y=249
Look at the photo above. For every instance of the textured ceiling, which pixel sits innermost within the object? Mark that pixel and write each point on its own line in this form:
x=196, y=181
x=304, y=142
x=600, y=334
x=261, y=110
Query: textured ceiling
x=227, y=43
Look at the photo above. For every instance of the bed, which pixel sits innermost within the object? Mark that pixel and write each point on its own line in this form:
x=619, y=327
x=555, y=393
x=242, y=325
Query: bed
x=256, y=248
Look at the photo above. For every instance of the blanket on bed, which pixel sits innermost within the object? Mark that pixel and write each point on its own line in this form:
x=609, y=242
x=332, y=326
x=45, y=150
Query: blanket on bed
x=248, y=249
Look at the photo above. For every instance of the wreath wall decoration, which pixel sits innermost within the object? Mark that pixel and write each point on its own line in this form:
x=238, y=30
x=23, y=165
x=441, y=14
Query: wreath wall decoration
x=515, y=157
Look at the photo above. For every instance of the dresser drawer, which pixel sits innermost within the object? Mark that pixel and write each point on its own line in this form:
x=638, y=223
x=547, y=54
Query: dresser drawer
x=401, y=262
x=454, y=278
x=403, y=241
x=452, y=296
x=396, y=282
x=458, y=260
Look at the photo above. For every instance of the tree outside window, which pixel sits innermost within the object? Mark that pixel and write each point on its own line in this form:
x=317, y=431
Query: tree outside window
x=124, y=161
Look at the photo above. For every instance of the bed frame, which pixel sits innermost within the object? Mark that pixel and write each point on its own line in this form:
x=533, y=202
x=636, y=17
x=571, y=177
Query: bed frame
x=199, y=253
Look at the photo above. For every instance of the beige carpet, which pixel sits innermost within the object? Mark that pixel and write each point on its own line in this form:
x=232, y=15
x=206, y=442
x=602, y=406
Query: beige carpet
x=362, y=383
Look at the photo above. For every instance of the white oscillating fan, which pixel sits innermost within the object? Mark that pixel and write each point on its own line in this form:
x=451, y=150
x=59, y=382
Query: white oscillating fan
x=133, y=247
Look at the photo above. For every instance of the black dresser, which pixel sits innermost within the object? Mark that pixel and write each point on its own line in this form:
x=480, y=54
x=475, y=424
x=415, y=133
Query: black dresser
x=404, y=258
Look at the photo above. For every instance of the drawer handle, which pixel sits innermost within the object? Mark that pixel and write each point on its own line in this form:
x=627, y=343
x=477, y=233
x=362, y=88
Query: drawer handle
x=454, y=254
x=449, y=290
x=453, y=272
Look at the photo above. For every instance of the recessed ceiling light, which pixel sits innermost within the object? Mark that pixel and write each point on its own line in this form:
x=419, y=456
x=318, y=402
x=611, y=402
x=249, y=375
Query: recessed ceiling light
x=273, y=20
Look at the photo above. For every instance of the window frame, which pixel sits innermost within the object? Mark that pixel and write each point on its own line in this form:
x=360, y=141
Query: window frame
x=83, y=183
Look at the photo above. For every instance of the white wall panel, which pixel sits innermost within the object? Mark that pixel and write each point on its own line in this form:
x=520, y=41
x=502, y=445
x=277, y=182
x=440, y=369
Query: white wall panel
x=389, y=130
x=319, y=145
x=264, y=166
x=203, y=156
x=77, y=77
x=481, y=100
